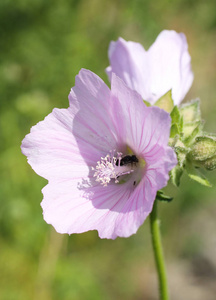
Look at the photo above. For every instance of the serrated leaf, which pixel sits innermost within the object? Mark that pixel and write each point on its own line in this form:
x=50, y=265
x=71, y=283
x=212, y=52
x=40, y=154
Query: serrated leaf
x=191, y=111
x=196, y=175
x=176, y=174
x=166, y=102
x=162, y=197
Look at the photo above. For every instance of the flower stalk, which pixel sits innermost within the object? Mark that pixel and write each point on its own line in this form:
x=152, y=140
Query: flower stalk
x=158, y=253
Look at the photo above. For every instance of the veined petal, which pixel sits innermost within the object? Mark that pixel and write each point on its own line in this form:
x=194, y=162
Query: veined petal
x=158, y=168
x=114, y=211
x=74, y=210
x=166, y=65
x=52, y=149
x=69, y=141
x=170, y=66
x=136, y=209
x=127, y=61
x=144, y=127
x=147, y=130
x=92, y=120
x=75, y=150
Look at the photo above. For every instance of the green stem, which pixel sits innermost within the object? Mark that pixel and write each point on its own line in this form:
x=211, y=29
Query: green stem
x=158, y=253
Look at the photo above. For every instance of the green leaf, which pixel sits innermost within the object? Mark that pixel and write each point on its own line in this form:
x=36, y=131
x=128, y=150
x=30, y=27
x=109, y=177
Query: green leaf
x=166, y=102
x=176, y=174
x=196, y=175
x=191, y=111
x=162, y=197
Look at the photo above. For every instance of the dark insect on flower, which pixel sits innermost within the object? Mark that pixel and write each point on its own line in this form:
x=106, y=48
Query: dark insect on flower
x=127, y=159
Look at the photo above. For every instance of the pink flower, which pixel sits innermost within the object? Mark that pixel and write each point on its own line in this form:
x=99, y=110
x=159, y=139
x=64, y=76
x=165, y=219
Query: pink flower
x=152, y=73
x=105, y=157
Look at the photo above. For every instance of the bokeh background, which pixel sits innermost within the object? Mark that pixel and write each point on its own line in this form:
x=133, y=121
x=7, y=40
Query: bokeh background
x=43, y=45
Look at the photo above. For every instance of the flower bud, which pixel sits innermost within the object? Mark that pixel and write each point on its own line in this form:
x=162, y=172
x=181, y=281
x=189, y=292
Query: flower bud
x=210, y=163
x=203, y=148
x=204, y=152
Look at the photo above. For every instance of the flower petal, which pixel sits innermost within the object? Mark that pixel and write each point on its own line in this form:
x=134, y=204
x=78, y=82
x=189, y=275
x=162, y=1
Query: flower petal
x=92, y=120
x=73, y=210
x=64, y=146
x=140, y=127
x=157, y=170
x=145, y=130
x=166, y=65
x=52, y=150
x=69, y=141
x=136, y=209
x=170, y=66
x=128, y=60
x=116, y=210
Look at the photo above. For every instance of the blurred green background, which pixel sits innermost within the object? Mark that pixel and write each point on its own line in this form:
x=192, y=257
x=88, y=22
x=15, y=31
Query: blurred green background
x=43, y=45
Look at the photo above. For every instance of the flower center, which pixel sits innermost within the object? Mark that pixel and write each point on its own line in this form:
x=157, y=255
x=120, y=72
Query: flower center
x=114, y=167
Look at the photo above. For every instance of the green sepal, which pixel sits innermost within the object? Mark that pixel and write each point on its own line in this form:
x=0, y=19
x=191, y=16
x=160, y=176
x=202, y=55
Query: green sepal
x=191, y=111
x=162, y=197
x=195, y=130
x=166, y=102
x=146, y=103
x=173, y=140
x=194, y=174
x=210, y=135
x=189, y=128
x=181, y=124
x=176, y=174
x=181, y=155
x=177, y=123
x=174, y=130
x=175, y=115
x=193, y=147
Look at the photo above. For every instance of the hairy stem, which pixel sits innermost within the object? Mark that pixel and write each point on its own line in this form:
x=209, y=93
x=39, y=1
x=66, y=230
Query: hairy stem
x=158, y=253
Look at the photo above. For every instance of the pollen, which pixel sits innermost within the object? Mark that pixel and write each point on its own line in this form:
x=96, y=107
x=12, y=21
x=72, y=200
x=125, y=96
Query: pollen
x=109, y=168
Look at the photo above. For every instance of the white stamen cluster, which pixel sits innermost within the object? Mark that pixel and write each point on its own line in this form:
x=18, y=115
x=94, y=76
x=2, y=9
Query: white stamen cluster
x=106, y=169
